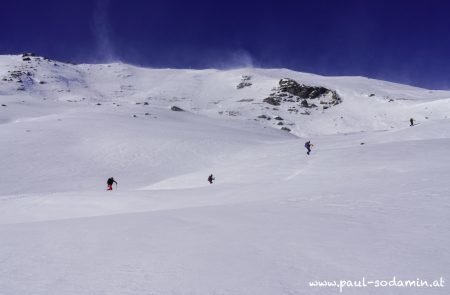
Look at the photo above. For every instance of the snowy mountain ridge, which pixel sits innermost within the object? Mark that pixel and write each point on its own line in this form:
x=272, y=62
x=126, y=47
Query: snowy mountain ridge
x=244, y=94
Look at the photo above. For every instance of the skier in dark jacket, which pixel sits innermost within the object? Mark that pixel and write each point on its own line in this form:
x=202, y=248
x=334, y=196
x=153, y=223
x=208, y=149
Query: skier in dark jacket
x=210, y=179
x=308, y=146
x=411, y=121
x=110, y=182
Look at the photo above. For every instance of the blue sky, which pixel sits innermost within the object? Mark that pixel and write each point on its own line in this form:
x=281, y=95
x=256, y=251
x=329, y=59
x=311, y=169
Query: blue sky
x=401, y=41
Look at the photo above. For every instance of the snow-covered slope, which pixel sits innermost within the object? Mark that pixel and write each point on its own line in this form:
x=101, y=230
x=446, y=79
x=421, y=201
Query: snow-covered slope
x=368, y=104
x=372, y=200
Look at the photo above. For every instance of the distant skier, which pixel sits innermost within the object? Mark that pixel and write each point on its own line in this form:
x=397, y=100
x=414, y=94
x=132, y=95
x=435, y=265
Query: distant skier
x=110, y=182
x=211, y=179
x=411, y=121
x=308, y=146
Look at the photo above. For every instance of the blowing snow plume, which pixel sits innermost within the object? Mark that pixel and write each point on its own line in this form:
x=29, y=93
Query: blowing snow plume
x=105, y=49
x=229, y=60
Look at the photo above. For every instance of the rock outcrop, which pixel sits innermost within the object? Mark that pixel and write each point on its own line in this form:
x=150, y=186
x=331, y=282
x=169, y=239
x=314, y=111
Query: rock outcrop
x=176, y=109
x=273, y=100
x=302, y=96
x=245, y=82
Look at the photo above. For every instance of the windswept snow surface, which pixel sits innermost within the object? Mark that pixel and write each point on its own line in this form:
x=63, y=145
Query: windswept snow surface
x=371, y=201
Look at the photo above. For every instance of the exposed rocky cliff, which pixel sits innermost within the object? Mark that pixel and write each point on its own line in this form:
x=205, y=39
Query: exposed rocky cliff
x=302, y=96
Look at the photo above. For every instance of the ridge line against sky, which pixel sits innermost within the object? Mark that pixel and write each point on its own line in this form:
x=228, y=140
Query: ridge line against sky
x=401, y=41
